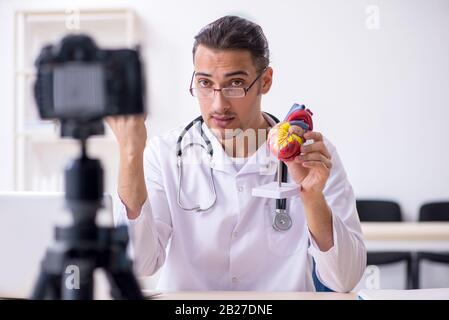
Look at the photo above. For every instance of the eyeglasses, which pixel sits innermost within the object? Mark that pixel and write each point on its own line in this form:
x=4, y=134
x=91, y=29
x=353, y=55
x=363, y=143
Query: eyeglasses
x=227, y=92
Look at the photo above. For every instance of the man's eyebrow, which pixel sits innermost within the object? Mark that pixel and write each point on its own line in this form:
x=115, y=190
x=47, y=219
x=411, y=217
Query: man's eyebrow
x=227, y=75
x=235, y=73
x=197, y=74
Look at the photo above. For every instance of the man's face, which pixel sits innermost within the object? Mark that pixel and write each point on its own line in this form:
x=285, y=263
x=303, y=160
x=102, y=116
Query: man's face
x=226, y=69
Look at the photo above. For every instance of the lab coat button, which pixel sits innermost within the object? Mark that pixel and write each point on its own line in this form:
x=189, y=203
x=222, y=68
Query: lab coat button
x=240, y=189
x=235, y=279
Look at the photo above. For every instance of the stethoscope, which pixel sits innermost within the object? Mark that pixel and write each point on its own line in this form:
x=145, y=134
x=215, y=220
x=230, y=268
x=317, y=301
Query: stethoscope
x=282, y=220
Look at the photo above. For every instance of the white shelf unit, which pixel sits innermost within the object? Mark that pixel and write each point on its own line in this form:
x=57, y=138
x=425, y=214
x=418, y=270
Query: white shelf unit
x=40, y=154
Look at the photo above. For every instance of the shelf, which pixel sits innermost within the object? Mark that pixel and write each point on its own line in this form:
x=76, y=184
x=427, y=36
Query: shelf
x=39, y=149
x=49, y=132
x=35, y=14
x=55, y=137
x=27, y=73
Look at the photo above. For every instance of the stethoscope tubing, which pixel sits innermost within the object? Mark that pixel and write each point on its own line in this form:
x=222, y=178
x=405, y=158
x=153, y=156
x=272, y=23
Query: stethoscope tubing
x=282, y=221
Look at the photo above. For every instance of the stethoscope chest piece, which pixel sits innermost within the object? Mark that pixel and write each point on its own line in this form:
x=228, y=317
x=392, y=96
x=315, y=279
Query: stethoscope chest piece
x=282, y=221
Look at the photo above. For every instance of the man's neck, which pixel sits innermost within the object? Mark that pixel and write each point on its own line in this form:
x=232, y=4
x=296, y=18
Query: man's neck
x=247, y=142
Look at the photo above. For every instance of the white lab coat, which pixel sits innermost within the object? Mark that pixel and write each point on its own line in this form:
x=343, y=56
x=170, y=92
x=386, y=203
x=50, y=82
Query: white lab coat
x=233, y=245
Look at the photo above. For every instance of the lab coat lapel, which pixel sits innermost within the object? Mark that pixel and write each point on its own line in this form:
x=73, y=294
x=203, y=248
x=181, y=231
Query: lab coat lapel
x=220, y=161
x=261, y=161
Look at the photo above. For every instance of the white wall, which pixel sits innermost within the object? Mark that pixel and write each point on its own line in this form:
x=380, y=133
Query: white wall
x=381, y=96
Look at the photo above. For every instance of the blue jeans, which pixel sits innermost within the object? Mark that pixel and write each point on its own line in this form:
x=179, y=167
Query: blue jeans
x=319, y=287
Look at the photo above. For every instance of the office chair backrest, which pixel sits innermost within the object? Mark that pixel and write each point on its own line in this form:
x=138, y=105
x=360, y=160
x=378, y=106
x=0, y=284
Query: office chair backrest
x=434, y=211
x=378, y=210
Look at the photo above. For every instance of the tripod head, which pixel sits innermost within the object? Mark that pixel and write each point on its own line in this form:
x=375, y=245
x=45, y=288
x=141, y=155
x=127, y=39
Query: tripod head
x=83, y=175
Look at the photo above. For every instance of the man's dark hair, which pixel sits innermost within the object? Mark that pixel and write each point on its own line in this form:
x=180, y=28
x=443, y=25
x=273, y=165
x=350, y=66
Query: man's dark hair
x=235, y=33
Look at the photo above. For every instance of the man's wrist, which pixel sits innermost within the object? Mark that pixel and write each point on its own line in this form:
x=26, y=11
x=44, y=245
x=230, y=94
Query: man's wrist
x=319, y=219
x=131, y=154
x=311, y=197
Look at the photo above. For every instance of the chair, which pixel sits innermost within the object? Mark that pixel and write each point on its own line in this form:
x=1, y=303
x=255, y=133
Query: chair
x=432, y=211
x=385, y=211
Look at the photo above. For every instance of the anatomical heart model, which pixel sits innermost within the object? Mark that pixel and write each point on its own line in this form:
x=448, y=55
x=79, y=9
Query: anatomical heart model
x=285, y=139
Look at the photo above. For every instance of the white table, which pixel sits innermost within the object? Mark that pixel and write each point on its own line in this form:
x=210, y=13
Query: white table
x=253, y=295
x=406, y=236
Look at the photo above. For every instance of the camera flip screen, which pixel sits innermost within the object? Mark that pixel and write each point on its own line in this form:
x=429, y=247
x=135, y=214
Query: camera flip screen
x=79, y=88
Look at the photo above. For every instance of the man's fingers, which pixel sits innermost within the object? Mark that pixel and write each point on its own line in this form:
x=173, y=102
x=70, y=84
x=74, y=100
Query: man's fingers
x=125, y=120
x=316, y=147
x=314, y=156
x=313, y=135
x=309, y=164
x=109, y=120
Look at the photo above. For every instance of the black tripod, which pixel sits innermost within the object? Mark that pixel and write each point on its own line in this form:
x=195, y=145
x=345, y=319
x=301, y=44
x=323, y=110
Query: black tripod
x=68, y=267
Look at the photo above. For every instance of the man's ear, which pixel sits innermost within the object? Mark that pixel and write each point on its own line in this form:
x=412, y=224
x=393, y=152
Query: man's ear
x=267, y=80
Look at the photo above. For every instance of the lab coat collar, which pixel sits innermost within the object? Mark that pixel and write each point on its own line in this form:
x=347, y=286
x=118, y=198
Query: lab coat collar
x=262, y=161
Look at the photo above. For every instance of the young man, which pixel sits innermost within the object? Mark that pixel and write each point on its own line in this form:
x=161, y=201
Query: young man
x=230, y=244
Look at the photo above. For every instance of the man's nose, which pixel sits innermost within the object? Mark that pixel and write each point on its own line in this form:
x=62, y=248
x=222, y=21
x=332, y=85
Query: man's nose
x=219, y=103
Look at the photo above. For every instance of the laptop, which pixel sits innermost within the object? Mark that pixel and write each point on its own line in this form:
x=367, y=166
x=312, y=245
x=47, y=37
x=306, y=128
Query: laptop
x=27, y=221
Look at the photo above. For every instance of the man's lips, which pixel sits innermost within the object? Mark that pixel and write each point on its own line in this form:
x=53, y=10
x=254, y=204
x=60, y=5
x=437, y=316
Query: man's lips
x=222, y=122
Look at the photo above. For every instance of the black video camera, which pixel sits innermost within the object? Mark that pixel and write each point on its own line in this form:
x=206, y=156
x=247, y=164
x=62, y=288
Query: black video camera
x=78, y=82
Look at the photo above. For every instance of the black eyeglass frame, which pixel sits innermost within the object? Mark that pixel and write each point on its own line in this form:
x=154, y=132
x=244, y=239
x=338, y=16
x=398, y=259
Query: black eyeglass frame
x=214, y=90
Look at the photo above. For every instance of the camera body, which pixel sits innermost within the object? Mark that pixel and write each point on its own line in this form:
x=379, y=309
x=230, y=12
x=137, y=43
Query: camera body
x=78, y=82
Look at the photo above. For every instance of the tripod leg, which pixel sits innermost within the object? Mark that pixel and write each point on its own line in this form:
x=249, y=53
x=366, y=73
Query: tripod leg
x=124, y=285
x=47, y=287
x=118, y=266
x=78, y=285
x=40, y=287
